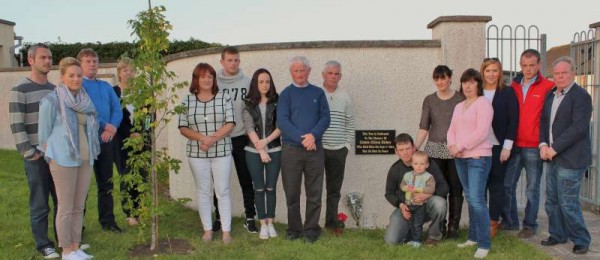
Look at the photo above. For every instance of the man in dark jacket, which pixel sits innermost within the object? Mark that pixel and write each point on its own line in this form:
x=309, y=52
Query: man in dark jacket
x=435, y=205
x=566, y=147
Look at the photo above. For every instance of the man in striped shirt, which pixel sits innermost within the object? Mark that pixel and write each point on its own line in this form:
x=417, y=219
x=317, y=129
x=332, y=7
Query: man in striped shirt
x=337, y=139
x=23, y=110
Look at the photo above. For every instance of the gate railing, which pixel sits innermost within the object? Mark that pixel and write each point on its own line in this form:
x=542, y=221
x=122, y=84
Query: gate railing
x=585, y=52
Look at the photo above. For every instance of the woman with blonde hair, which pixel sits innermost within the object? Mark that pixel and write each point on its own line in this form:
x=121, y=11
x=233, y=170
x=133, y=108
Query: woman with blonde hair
x=502, y=135
x=68, y=132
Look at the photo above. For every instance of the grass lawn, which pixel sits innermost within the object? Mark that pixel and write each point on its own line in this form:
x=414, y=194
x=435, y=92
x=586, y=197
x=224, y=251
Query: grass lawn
x=182, y=223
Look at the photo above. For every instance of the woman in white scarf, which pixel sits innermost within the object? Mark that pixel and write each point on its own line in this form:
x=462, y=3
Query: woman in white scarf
x=69, y=139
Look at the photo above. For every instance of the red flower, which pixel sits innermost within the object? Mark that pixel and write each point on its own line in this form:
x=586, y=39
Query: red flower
x=342, y=217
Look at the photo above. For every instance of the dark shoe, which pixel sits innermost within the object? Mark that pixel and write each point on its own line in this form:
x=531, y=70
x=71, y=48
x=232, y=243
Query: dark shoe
x=292, y=236
x=580, y=250
x=454, y=212
x=112, y=228
x=250, y=225
x=526, y=233
x=311, y=239
x=550, y=241
x=216, y=226
x=431, y=242
x=50, y=253
x=503, y=226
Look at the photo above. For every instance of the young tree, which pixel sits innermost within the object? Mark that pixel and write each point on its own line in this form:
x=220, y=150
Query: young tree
x=152, y=96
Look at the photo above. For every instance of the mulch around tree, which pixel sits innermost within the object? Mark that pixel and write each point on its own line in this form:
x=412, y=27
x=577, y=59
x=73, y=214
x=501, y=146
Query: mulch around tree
x=165, y=247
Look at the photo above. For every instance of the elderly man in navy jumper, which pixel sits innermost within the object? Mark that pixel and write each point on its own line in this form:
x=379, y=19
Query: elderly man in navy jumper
x=302, y=117
x=109, y=115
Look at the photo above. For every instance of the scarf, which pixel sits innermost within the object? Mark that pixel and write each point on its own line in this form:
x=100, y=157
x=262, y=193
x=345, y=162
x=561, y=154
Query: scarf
x=83, y=104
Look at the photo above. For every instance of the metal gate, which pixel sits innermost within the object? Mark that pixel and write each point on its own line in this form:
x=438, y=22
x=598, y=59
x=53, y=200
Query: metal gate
x=585, y=52
x=507, y=44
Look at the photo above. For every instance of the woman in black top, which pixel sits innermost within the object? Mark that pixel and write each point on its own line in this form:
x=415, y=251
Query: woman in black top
x=263, y=151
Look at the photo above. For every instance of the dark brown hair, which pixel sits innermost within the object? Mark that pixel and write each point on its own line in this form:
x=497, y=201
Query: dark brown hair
x=253, y=93
x=472, y=74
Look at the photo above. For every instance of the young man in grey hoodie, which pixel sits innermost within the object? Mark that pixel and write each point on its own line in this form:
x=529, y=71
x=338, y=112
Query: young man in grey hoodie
x=232, y=81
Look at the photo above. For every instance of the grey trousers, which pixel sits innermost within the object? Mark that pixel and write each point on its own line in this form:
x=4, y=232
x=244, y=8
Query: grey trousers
x=435, y=210
x=297, y=162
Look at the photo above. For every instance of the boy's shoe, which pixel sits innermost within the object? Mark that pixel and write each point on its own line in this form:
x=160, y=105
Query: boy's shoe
x=264, y=232
x=481, y=253
x=272, y=232
x=50, y=253
x=415, y=244
x=250, y=225
x=468, y=243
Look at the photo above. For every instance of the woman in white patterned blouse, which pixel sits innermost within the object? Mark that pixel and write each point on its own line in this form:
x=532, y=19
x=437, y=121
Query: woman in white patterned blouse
x=206, y=123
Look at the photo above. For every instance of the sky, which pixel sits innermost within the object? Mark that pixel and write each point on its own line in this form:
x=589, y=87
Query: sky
x=236, y=22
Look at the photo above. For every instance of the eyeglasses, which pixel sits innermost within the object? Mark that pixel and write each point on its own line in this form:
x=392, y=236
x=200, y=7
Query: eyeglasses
x=489, y=59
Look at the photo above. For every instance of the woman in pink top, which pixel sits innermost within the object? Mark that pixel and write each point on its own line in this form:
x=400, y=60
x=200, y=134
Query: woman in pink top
x=469, y=144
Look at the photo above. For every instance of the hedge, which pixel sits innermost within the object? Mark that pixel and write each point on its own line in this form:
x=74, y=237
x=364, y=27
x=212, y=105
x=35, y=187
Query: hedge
x=112, y=51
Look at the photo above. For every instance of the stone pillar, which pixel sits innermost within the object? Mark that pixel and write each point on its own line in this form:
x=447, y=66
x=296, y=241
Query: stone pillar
x=463, y=42
x=7, y=41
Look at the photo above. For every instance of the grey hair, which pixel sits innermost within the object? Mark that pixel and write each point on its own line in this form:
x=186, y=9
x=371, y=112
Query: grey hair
x=300, y=59
x=332, y=63
x=566, y=59
x=33, y=49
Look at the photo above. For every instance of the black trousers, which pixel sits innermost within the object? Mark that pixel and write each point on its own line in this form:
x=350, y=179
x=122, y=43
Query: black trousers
x=103, y=168
x=239, y=159
x=297, y=162
x=495, y=184
x=448, y=169
x=335, y=164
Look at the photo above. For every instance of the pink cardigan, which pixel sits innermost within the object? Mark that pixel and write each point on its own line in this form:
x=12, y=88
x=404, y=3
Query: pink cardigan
x=469, y=128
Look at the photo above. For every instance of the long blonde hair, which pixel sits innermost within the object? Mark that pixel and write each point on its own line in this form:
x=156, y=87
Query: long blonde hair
x=123, y=63
x=489, y=61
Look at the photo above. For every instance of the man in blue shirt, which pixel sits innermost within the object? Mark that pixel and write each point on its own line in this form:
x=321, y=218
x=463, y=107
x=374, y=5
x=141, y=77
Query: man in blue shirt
x=109, y=115
x=302, y=117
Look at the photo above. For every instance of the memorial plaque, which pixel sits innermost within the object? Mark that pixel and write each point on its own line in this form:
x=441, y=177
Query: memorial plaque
x=375, y=141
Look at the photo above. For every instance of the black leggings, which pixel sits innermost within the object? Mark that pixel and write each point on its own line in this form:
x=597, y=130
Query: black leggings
x=448, y=169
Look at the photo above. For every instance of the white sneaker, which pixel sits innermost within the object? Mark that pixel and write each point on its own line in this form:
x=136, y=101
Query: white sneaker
x=72, y=256
x=264, y=232
x=83, y=254
x=467, y=244
x=84, y=246
x=481, y=253
x=272, y=232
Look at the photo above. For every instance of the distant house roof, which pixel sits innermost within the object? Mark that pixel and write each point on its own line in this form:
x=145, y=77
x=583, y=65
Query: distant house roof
x=7, y=22
x=553, y=54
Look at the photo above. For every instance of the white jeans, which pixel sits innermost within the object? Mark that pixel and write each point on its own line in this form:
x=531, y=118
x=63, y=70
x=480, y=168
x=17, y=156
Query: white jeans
x=205, y=171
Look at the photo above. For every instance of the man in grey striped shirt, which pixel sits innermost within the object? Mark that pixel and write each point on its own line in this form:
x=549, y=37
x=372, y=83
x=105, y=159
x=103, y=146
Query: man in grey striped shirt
x=23, y=113
x=337, y=140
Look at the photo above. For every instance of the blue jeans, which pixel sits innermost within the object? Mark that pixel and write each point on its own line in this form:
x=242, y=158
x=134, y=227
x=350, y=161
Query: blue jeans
x=41, y=187
x=399, y=228
x=264, y=178
x=473, y=174
x=528, y=158
x=565, y=219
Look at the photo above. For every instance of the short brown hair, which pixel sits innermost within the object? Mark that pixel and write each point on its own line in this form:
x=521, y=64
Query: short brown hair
x=87, y=52
x=67, y=62
x=230, y=50
x=201, y=69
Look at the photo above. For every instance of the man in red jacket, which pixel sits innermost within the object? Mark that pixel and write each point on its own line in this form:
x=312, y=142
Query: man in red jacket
x=531, y=88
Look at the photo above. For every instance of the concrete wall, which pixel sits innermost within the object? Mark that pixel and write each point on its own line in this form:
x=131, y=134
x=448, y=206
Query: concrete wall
x=387, y=80
x=7, y=36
